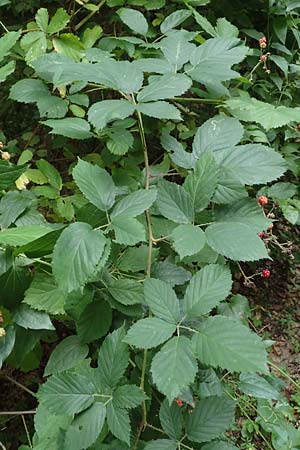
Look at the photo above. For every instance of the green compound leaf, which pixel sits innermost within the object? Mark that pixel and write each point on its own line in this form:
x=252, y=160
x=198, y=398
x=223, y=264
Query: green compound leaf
x=188, y=240
x=165, y=86
x=86, y=427
x=174, y=19
x=66, y=393
x=134, y=204
x=128, y=396
x=210, y=418
x=174, y=202
x=236, y=241
x=149, y=332
x=101, y=113
x=174, y=367
x=226, y=343
x=94, y=322
x=72, y=127
x=128, y=231
x=95, y=183
x=9, y=173
x=127, y=292
x=67, y=354
x=159, y=110
x=171, y=419
x=44, y=295
x=118, y=422
x=217, y=133
x=113, y=358
x=202, y=183
x=134, y=19
x=207, y=289
x=162, y=300
x=77, y=253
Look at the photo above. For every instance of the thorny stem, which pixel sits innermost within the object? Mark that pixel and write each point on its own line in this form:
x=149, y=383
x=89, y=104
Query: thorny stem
x=26, y=430
x=149, y=260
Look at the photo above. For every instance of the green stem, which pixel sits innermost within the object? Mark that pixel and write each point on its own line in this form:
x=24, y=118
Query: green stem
x=285, y=374
x=197, y=100
x=26, y=430
x=87, y=18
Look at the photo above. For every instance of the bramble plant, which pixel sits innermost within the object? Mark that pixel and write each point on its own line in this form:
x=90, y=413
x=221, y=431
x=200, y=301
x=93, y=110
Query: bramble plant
x=148, y=177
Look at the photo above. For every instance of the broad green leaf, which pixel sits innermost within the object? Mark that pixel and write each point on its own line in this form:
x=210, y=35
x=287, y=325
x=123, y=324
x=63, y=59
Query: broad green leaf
x=176, y=150
x=134, y=204
x=14, y=283
x=266, y=114
x=204, y=24
x=170, y=273
x=219, y=133
x=7, y=42
x=127, y=292
x=67, y=354
x=211, y=417
x=15, y=237
x=159, y=110
x=174, y=367
x=207, y=289
x=113, y=358
x=42, y=18
x=58, y=22
x=257, y=386
x=244, y=211
x=101, y=113
x=210, y=384
x=212, y=60
x=94, y=322
x=162, y=300
x=225, y=29
x=28, y=318
x=237, y=308
x=91, y=35
x=128, y=231
x=174, y=19
x=29, y=90
x=120, y=141
x=282, y=190
x=202, y=183
x=13, y=204
x=253, y=163
x=128, y=396
x=41, y=246
x=86, y=427
x=229, y=188
x=161, y=444
x=118, y=422
x=51, y=173
x=9, y=173
x=236, y=241
x=69, y=45
x=171, y=419
x=155, y=65
x=135, y=259
x=95, y=183
x=188, y=240
x=218, y=445
x=149, y=332
x=174, y=202
x=77, y=301
x=177, y=48
x=134, y=19
x=49, y=428
x=226, y=343
x=77, y=253
x=7, y=343
x=66, y=393
x=6, y=70
x=165, y=86
x=72, y=127
x=34, y=45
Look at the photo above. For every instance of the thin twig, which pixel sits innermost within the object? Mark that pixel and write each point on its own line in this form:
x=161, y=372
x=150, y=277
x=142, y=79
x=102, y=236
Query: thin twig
x=87, y=18
x=16, y=413
x=20, y=385
x=26, y=430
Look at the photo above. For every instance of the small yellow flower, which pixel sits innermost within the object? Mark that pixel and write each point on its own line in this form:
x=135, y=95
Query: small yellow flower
x=6, y=156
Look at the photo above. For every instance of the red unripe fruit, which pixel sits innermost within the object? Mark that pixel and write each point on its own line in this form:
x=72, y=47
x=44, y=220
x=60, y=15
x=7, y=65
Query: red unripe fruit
x=261, y=234
x=263, y=200
x=270, y=226
x=265, y=273
x=263, y=58
x=179, y=403
x=298, y=126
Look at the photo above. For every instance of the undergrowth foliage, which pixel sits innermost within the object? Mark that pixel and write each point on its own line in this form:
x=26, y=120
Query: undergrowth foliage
x=129, y=243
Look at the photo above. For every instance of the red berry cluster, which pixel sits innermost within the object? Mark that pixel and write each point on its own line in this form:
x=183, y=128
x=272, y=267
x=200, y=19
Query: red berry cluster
x=265, y=273
x=179, y=403
x=263, y=42
x=263, y=200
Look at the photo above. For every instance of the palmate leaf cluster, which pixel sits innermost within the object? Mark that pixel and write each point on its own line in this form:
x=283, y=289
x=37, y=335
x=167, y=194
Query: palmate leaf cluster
x=132, y=248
